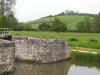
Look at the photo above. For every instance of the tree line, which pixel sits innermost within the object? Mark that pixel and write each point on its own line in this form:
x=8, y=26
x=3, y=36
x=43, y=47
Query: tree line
x=56, y=25
x=88, y=25
x=70, y=13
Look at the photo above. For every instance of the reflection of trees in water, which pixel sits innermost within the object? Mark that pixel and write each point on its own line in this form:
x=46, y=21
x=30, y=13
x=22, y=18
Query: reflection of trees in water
x=87, y=64
x=60, y=68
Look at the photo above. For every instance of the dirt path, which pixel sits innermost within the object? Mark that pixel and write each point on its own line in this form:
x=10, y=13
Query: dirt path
x=85, y=50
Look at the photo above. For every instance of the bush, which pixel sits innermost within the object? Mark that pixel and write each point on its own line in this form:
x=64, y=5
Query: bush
x=93, y=40
x=73, y=39
x=45, y=27
x=24, y=27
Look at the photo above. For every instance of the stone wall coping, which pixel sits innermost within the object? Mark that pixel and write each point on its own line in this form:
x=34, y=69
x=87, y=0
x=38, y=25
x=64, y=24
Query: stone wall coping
x=27, y=38
x=6, y=43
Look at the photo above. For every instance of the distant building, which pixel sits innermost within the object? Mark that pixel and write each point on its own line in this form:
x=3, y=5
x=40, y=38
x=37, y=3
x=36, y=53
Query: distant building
x=71, y=12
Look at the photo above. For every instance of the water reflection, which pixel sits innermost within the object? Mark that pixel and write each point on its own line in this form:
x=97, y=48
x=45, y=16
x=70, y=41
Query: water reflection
x=84, y=68
x=86, y=64
x=60, y=68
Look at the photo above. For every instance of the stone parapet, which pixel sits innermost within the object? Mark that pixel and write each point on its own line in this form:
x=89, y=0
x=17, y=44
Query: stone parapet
x=41, y=50
x=7, y=56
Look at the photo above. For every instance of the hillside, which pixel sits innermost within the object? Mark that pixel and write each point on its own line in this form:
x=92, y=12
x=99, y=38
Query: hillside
x=70, y=20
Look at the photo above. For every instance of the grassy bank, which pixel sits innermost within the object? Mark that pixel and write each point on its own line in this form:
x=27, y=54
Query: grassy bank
x=87, y=40
x=85, y=56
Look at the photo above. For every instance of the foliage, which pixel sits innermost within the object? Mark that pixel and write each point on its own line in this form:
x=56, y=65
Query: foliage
x=8, y=22
x=84, y=26
x=70, y=20
x=93, y=40
x=87, y=24
x=60, y=14
x=45, y=27
x=59, y=26
x=85, y=56
x=24, y=27
x=75, y=13
x=6, y=7
x=73, y=39
x=80, y=26
x=7, y=18
x=96, y=23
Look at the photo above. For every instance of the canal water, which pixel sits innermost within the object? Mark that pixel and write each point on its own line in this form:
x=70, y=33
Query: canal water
x=60, y=68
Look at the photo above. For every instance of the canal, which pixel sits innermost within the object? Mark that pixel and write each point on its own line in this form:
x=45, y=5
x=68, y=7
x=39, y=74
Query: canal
x=60, y=68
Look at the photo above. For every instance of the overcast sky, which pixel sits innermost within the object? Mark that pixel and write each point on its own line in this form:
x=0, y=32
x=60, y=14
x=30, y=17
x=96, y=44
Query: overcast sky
x=27, y=10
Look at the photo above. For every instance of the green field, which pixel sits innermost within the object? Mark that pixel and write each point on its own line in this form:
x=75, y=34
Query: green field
x=83, y=38
x=70, y=20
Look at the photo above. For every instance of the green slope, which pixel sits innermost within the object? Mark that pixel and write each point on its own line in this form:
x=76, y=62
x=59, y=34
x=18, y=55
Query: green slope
x=71, y=20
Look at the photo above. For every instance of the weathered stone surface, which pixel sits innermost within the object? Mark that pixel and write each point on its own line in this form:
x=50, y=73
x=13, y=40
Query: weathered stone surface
x=7, y=56
x=41, y=50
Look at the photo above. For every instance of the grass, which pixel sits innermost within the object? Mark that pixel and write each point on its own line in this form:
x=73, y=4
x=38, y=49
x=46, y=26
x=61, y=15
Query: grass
x=85, y=56
x=70, y=20
x=83, y=38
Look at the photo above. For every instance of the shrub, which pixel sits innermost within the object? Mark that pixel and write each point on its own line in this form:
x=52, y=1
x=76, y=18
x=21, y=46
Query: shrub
x=73, y=39
x=93, y=40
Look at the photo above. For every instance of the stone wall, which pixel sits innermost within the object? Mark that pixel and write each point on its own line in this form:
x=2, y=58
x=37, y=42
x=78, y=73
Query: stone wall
x=41, y=50
x=7, y=51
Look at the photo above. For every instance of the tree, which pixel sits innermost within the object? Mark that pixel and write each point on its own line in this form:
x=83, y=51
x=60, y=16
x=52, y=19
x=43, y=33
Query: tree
x=87, y=24
x=59, y=26
x=80, y=26
x=24, y=27
x=45, y=27
x=56, y=25
x=96, y=23
x=60, y=14
x=6, y=7
x=84, y=26
x=7, y=18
